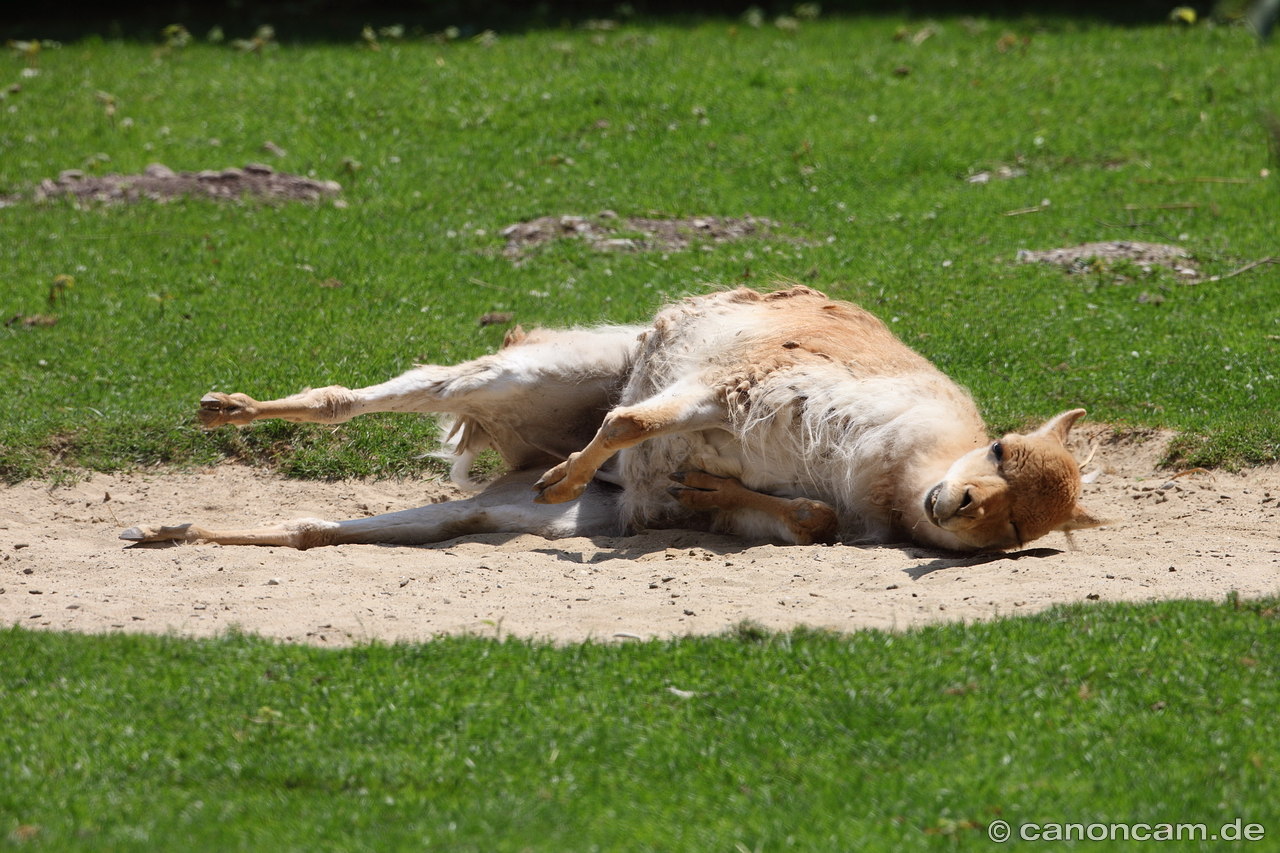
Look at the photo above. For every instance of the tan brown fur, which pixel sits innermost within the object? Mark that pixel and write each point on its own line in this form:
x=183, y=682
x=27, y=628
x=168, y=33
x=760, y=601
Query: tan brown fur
x=1032, y=490
x=783, y=415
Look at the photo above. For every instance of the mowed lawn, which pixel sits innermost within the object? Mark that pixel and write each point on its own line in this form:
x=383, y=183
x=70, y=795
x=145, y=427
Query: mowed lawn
x=858, y=139
x=1157, y=714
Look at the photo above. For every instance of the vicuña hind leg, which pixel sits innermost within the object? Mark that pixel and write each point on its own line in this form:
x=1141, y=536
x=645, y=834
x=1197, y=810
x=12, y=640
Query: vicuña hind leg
x=301, y=534
x=505, y=507
x=535, y=401
x=552, y=369
x=427, y=388
x=806, y=521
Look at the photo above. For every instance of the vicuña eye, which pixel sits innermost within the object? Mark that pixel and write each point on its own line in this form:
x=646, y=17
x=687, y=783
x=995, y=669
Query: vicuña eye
x=997, y=450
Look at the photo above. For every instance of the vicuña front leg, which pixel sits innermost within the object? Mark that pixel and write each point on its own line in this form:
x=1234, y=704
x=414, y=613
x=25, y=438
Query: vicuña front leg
x=805, y=521
x=680, y=408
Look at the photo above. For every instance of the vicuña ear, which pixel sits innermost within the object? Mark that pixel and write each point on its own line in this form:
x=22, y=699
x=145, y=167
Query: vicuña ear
x=1060, y=425
x=1081, y=520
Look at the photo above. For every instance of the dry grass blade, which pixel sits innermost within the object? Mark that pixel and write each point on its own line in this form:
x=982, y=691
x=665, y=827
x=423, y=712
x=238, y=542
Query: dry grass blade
x=1181, y=205
x=1170, y=181
x=1270, y=259
x=1189, y=471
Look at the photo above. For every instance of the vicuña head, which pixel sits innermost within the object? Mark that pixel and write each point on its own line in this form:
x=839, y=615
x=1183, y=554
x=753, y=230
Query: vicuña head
x=1013, y=490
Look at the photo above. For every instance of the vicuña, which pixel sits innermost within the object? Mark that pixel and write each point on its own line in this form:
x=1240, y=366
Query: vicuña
x=784, y=416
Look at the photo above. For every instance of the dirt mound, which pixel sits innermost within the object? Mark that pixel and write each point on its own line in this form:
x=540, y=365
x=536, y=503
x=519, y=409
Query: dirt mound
x=607, y=232
x=158, y=183
x=1087, y=257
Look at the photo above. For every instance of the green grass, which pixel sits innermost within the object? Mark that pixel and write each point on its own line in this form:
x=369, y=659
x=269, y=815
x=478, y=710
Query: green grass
x=805, y=741
x=1158, y=713
x=456, y=141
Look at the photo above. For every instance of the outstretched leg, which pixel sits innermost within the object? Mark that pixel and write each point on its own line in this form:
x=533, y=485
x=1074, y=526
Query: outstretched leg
x=505, y=507
x=545, y=365
x=426, y=388
x=683, y=407
x=535, y=401
x=803, y=521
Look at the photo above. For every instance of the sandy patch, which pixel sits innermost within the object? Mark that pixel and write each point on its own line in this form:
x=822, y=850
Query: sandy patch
x=160, y=183
x=606, y=232
x=62, y=567
x=1094, y=257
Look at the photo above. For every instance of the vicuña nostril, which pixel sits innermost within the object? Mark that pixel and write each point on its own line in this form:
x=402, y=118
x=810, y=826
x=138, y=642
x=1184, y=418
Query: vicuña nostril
x=968, y=499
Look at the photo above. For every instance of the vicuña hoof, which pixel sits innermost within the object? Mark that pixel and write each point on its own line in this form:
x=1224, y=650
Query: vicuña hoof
x=217, y=409
x=812, y=522
x=179, y=533
x=557, y=485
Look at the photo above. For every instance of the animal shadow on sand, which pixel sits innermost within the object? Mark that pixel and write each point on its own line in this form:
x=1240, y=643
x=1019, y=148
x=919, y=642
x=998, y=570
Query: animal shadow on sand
x=948, y=560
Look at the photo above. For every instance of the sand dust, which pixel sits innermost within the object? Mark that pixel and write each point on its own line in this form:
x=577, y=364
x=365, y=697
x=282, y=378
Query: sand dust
x=62, y=567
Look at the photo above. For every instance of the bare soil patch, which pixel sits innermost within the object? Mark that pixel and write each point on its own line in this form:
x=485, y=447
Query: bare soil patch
x=62, y=567
x=1090, y=257
x=160, y=183
x=608, y=232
